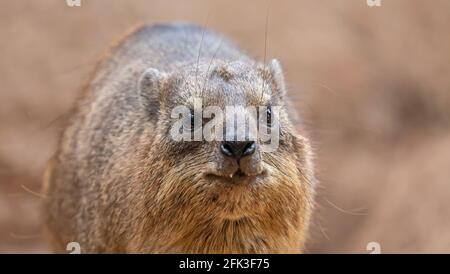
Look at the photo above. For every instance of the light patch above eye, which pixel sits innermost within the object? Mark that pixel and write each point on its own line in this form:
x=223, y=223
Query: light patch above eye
x=263, y=95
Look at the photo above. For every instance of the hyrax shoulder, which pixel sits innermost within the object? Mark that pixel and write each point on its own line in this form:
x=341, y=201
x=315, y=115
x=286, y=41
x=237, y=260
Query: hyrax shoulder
x=122, y=180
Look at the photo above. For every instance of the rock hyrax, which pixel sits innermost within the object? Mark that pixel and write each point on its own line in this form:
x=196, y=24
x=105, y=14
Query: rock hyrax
x=119, y=183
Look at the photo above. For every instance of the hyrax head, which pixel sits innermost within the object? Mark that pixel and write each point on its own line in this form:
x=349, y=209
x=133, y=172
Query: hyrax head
x=221, y=127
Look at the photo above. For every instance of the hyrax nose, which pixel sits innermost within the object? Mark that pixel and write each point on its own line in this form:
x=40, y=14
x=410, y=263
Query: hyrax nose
x=238, y=149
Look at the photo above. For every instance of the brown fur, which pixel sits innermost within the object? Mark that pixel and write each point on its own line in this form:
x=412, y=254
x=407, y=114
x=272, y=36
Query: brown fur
x=118, y=183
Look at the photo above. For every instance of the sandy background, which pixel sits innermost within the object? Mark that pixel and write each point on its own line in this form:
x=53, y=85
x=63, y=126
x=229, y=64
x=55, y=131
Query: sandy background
x=373, y=85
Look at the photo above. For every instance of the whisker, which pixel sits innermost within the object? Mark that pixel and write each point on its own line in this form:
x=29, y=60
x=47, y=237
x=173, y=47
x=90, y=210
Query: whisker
x=265, y=46
x=327, y=88
x=343, y=210
x=200, y=48
x=25, y=237
x=210, y=63
x=34, y=193
x=322, y=230
x=62, y=117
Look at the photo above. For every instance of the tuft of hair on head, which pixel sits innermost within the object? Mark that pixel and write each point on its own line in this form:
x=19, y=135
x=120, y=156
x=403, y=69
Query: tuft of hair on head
x=224, y=72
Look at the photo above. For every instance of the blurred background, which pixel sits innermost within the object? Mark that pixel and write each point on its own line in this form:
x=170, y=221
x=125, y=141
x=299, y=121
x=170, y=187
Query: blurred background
x=373, y=85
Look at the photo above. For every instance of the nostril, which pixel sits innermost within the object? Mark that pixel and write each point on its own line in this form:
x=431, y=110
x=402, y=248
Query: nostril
x=238, y=149
x=249, y=148
x=226, y=149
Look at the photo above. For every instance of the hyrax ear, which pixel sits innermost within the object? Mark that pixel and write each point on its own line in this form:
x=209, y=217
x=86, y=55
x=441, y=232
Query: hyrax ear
x=152, y=86
x=273, y=73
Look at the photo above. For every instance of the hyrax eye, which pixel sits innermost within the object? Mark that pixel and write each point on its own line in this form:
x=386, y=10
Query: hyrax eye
x=192, y=119
x=269, y=115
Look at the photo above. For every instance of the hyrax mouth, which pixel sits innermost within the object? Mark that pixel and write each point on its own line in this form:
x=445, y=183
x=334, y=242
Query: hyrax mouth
x=238, y=177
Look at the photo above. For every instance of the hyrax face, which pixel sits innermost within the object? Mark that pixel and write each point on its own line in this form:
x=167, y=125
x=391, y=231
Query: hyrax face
x=224, y=140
